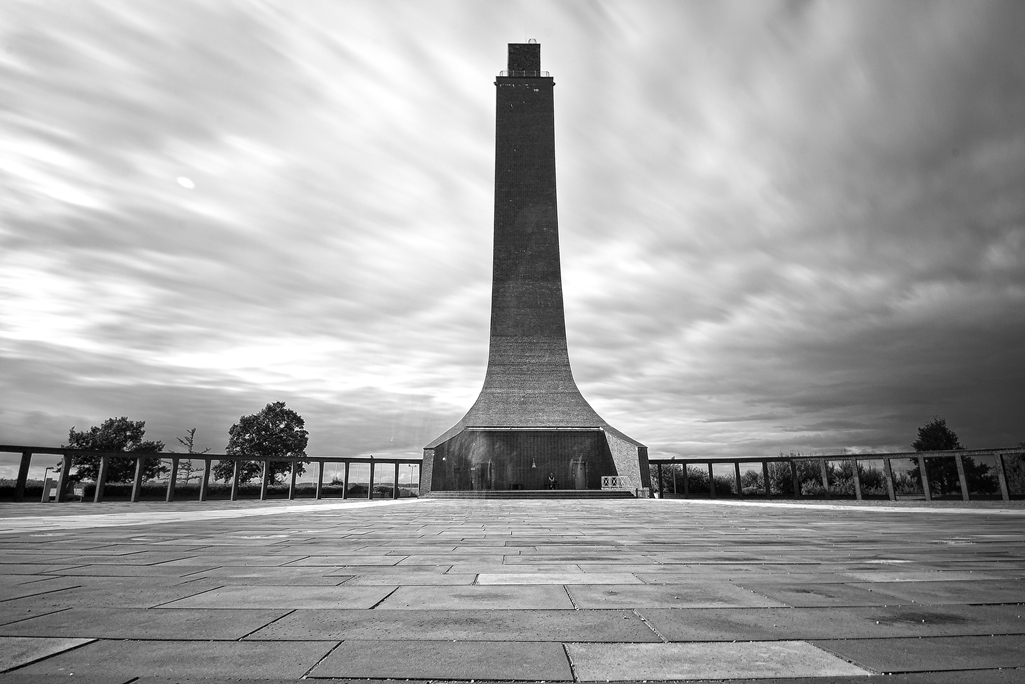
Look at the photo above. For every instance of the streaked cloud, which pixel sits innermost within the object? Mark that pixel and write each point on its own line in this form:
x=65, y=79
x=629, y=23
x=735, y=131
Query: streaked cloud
x=784, y=225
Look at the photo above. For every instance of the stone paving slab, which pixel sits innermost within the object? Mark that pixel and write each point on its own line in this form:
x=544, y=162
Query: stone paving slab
x=557, y=578
x=682, y=624
x=285, y=597
x=754, y=659
x=932, y=653
x=108, y=592
x=999, y=591
x=413, y=579
x=461, y=625
x=216, y=660
x=692, y=595
x=163, y=623
x=17, y=651
x=440, y=598
x=447, y=660
x=801, y=595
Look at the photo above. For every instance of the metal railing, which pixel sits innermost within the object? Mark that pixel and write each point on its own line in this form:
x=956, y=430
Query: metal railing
x=919, y=457
x=139, y=457
x=524, y=74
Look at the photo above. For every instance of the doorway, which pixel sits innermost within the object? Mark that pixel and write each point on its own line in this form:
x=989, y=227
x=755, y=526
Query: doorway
x=578, y=473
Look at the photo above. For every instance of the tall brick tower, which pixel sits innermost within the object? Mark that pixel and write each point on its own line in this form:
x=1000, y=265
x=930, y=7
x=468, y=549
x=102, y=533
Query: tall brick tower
x=530, y=421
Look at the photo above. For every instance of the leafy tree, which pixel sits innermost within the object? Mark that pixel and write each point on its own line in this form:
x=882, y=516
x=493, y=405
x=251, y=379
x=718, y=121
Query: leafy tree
x=1014, y=466
x=115, y=434
x=274, y=432
x=936, y=436
x=186, y=469
x=943, y=480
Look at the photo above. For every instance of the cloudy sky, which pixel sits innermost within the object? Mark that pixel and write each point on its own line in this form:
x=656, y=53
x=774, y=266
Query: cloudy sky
x=784, y=226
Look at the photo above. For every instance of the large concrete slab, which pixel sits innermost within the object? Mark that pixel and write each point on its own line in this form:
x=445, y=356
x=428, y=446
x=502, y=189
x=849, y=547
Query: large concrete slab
x=692, y=595
x=475, y=597
x=754, y=659
x=557, y=578
x=946, y=592
x=222, y=660
x=460, y=625
x=128, y=623
x=677, y=624
x=17, y=651
x=286, y=597
x=460, y=660
x=809, y=595
x=932, y=653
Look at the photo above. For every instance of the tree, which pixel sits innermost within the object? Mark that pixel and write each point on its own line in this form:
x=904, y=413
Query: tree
x=936, y=436
x=115, y=434
x=274, y=432
x=186, y=469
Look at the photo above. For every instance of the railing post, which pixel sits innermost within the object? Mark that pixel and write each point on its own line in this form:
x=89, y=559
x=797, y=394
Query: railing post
x=137, y=481
x=370, y=487
x=686, y=480
x=1005, y=492
x=891, y=489
x=857, y=478
x=961, y=479
x=264, y=478
x=19, y=488
x=674, y=479
x=320, y=478
x=795, y=479
x=204, y=484
x=172, y=482
x=234, y=479
x=395, y=492
x=62, y=485
x=736, y=479
x=661, y=487
x=711, y=480
x=765, y=478
x=291, y=481
x=345, y=480
x=825, y=477
x=924, y=477
x=101, y=479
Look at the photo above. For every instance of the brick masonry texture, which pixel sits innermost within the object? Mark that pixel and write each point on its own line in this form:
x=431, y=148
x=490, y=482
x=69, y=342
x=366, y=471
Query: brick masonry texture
x=529, y=384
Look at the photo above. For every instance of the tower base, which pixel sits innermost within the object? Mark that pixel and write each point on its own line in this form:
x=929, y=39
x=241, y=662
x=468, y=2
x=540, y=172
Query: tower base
x=510, y=459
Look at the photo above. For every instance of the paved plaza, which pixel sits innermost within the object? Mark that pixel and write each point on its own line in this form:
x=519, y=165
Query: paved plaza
x=620, y=590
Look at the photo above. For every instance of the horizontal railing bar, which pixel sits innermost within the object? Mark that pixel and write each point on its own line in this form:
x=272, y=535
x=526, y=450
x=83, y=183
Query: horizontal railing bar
x=842, y=457
x=60, y=451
